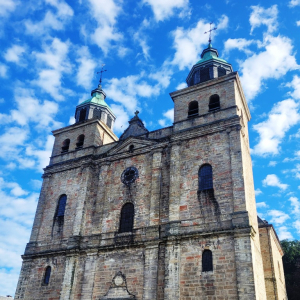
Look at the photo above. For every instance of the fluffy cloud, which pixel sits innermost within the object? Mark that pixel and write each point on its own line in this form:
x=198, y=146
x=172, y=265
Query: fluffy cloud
x=3, y=70
x=284, y=234
x=121, y=122
x=295, y=206
x=261, y=205
x=7, y=6
x=86, y=69
x=277, y=216
x=297, y=226
x=106, y=12
x=17, y=209
x=261, y=16
x=274, y=62
x=53, y=64
x=189, y=43
x=295, y=85
x=282, y=117
x=293, y=3
x=258, y=192
x=241, y=44
x=14, y=53
x=298, y=23
x=165, y=9
x=168, y=118
x=55, y=21
x=273, y=180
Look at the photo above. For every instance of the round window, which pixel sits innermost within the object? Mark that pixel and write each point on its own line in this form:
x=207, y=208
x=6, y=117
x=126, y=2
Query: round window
x=129, y=175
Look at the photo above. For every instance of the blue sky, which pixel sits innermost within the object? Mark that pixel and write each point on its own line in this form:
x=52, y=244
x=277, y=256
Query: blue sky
x=51, y=51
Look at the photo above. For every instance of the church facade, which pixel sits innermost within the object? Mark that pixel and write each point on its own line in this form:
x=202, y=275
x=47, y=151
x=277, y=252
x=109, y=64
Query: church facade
x=168, y=214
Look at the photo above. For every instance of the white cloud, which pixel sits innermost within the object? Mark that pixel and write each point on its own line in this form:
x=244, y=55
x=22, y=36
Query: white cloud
x=106, y=12
x=296, y=157
x=42, y=155
x=298, y=23
x=241, y=44
x=17, y=209
x=296, y=224
x=258, y=192
x=295, y=206
x=3, y=70
x=7, y=6
x=277, y=216
x=295, y=84
x=189, y=43
x=293, y=3
x=86, y=69
x=55, y=21
x=165, y=9
x=272, y=163
x=168, y=118
x=261, y=16
x=274, y=62
x=121, y=122
x=181, y=86
x=282, y=117
x=14, y=53
x=56, y=62
x=273, y=180
x=284, y=234
x=261, y=205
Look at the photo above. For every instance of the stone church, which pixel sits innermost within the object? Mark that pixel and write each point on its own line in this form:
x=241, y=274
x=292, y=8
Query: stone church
x=166, y=214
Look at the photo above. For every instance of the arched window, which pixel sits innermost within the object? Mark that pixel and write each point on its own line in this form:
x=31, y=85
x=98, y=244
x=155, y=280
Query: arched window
x=109, y=121
x=65, y=145
x=127, y=216
x=193, y=109
x=97, y=113
x=205, y=177
x=80, y=141
x=214, y=102
x=131, y=148
x=61, y=206
x=207, y=261
x=47, y=275
x=82, y=114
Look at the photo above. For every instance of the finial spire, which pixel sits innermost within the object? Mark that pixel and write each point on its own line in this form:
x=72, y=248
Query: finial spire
x=209, y=31
x=136, y=113
x=101, y=72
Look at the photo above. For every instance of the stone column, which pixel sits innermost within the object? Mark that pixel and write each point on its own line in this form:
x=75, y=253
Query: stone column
x=174, y=198
x=87, y=174
x=155, y=188
x=89, y=276
x=67, y=285
x=172, y=272
x=150, y=272
x=244, y=266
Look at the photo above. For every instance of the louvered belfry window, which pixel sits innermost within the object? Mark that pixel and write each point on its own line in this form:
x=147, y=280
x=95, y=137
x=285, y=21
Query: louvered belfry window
x=207, y=261
x=193, y=109
x=127, y=217
x=205, y=177
x=82, y=114
x=80, y=141
x=61, y=206
x=65, y=145
x=47, y=275
x=214, y=102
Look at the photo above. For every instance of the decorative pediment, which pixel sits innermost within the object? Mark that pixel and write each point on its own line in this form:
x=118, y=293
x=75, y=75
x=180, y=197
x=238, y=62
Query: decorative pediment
x=131, y=144
x=118, y=289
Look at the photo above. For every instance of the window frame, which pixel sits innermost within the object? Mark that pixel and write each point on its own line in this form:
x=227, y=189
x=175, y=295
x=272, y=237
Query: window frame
x=126, y=224
x=207, y=261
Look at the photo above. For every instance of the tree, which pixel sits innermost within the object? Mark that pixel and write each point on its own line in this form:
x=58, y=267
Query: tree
x=291, y=264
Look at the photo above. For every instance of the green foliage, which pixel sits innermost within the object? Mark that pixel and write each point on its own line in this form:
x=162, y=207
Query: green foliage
x=291, y=264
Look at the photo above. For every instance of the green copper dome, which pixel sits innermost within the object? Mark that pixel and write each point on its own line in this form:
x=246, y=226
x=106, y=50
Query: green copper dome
x=210, y=54
x=98, y=98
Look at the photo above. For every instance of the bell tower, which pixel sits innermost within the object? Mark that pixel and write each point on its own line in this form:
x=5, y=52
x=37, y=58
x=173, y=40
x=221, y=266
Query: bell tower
x=93, y=128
